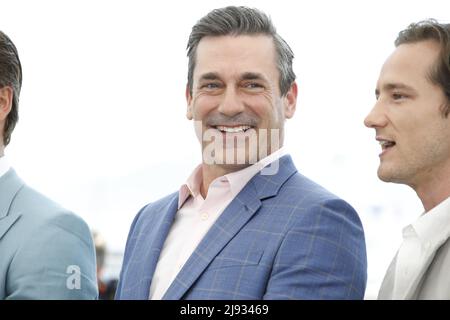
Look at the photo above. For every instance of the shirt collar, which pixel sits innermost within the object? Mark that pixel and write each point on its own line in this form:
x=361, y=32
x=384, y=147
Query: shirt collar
x=237, y=180
x=191, y=187
x=433, y=227
x=4, y=165
x=240, y=178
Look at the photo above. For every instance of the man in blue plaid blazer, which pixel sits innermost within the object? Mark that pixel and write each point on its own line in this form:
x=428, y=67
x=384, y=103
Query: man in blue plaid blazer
x=246, y=224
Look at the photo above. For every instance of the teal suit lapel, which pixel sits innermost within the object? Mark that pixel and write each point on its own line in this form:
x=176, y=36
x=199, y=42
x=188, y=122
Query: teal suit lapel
x=6, y=223
x=230, y=222
x=10, y=184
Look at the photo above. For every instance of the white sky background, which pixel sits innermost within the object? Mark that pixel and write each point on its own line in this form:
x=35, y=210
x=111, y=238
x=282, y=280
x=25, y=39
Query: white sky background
x=102, y=112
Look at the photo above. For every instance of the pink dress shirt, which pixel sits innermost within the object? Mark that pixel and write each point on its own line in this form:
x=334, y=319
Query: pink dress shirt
x=195, y=217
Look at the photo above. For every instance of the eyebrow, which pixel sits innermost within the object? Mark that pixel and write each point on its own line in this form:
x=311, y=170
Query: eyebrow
x=393, y=86
x=244, y=76
x=209, y=76
x=252, y=76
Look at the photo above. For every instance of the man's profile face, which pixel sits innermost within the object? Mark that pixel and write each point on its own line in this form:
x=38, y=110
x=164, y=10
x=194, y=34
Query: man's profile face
x=407, y=117
x=236, y=94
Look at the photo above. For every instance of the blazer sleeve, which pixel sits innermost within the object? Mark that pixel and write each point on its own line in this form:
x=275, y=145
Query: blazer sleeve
x=56, y=262
x=323, y=256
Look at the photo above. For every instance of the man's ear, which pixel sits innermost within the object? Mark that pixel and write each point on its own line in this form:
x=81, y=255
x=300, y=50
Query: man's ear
x=189, y=114
x=6, y=97
x=290, y=101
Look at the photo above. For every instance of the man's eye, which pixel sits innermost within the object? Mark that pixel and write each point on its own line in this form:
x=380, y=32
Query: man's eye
x=253, y=85
x=398, y=96
x=210, y=86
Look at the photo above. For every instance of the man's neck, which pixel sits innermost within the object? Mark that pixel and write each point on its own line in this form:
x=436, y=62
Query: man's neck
x=212, y=172
x=434, y=191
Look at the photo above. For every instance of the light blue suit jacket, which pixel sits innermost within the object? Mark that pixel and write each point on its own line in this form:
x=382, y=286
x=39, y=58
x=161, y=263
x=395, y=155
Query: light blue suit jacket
x=282, y=237
x=44, y=249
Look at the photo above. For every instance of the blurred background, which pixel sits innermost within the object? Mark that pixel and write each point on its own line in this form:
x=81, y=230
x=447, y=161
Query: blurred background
x=102, y=125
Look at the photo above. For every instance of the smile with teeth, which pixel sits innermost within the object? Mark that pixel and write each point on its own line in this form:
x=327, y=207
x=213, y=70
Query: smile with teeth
x=235, y=129
x=385, y=144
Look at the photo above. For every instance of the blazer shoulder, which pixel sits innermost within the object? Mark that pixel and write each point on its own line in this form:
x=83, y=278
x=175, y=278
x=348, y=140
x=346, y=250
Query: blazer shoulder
x=328, y=232
x=149, y=212
x=44, y=242
x=156, y=206
x=313, y=202
x=30, y=201
x=37, y=211
x=299, y=183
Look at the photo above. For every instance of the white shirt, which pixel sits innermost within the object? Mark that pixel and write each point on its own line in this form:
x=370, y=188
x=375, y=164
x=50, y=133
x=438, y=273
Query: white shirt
x=196, y=215
x=4, y=166
x=431, y=230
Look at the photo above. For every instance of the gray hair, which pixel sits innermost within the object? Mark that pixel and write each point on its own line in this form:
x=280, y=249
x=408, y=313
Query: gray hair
x=10, y=75
x=241, y=21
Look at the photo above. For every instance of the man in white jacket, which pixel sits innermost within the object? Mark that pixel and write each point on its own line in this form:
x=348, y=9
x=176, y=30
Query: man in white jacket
x=412, y=124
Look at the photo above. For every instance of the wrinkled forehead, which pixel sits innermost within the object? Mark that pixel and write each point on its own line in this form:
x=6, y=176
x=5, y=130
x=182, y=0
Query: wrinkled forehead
x=236, y=54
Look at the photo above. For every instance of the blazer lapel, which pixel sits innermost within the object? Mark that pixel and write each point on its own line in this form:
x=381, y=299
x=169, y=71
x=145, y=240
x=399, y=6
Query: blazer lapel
x=10, y=184
x=235, y=216
x=6, y=223
x=230, y=222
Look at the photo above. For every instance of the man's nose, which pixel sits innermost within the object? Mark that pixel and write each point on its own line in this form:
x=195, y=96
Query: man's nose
x=231, y=103
x=376, y=117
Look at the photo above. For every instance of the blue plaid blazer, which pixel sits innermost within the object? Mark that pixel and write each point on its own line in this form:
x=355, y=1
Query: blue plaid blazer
x=282, y=237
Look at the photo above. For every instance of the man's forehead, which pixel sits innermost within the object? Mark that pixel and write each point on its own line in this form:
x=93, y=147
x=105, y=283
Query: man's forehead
x=417, y=56
x=236, y=38
x=237, y=54
x=409, y=63
x=255, y=45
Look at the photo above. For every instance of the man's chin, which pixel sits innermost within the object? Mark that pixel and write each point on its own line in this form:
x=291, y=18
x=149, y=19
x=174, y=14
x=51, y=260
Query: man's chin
x=382, y=174
x=231, y=158
x=384, y=178
x=389, y=175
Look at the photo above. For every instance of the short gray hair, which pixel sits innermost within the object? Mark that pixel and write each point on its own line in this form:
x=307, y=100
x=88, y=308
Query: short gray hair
x=241, y=21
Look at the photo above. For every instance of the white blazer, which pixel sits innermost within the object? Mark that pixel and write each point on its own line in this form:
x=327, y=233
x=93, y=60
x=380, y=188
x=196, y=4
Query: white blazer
x=431, y=281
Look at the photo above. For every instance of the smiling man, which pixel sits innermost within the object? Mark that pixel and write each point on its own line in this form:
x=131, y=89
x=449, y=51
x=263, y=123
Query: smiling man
x=245, y=224
x=412, y=125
